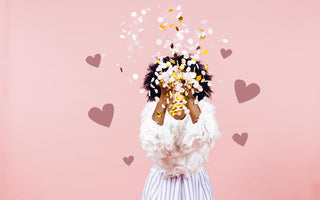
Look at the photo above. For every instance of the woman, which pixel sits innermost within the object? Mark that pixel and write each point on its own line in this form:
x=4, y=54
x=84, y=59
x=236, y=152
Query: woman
x=179, y=144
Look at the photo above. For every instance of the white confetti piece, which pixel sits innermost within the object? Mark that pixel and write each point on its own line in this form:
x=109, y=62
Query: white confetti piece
x=135, y=76
x=122, y=23
x=204, y=21
x=157, y=99
x=124, y=30
x=179, y=15
x=163, y=106
x=129, y=33
x=134, y=14
x=179, y=35
x=178, y=7
x=141, y=29
x=143, y=11
x=210, y=30
x=122, y=36
x=209, y=83
x=148, y=9
x=160, y=19
x=224, y=40
x=141, y=91
x=137, y=42
x=140, y=19
x=190, y=41
x=159, y=41
x=134, y=37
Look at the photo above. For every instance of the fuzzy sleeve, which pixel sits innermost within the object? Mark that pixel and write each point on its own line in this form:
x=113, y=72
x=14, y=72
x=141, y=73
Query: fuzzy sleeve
x=204, y=131
x=155, y=139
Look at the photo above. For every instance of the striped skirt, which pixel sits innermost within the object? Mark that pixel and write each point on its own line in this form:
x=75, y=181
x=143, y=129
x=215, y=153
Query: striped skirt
x=196, y=187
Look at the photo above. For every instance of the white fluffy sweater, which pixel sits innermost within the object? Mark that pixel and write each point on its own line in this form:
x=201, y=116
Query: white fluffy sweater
x=179, y=147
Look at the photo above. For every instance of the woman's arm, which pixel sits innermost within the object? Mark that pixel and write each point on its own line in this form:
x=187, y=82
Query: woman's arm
x=194, y=108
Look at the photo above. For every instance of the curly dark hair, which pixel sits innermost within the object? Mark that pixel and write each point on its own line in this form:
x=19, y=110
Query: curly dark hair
x=177, y=58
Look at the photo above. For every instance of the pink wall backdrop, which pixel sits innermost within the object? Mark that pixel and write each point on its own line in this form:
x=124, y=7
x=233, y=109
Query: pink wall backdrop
x=50, y=149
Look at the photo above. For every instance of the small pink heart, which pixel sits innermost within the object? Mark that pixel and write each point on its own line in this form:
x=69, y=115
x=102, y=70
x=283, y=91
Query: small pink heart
x=225, y=53
x=244, y=93
x=128, y=160
x=103, y=117
x=240, y=139
x=94, y=61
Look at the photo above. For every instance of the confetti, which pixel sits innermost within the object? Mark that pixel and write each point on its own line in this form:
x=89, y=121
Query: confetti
x=180, y=19
x=134, y=14
x=135, y=76
x=177, y=29
x=190, y=40
x=160, y=19
x=143, y=11
x=121, y=69
x=205, y=52
x=170, y=10
x=224, y=40
x=159, y=41
x=179, y=35
x=122, y=36
x=210, y=31
x=178, y=7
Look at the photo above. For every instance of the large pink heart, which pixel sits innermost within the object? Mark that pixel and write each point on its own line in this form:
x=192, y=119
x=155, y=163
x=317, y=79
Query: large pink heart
x=102, y=117
x=244, y=93
x=240, y=139
x=94, y=61
x=128, y=160
x=225, y=53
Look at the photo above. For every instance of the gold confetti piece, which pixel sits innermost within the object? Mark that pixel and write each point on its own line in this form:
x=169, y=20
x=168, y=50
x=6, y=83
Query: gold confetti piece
x=193, y=59
x=170, y=10
x=200, y=29
x=121, y=69
x=206, y=67
x=202, y=37
x=198, y=78
x=205, y=52
x=180, y=19
x=198, y=47
x=171, y=46
x=171, y=25
x=181, y=67
x=177, y=28
x=158, y=61
x=175, y=54
x=163, y=27
x=159, y=114
x=172, y=61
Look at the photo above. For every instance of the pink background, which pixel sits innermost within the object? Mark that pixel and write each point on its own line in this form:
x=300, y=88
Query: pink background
x=50, y=149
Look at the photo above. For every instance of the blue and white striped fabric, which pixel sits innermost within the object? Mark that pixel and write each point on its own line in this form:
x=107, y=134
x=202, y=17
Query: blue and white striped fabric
x=197, y=187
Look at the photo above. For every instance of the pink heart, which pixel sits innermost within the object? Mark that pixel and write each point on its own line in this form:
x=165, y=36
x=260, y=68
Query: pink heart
x=240, y=139
x=225, y=53
x=103, y=117
x=244, y=93
x=94, y=61
x=128, y=160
